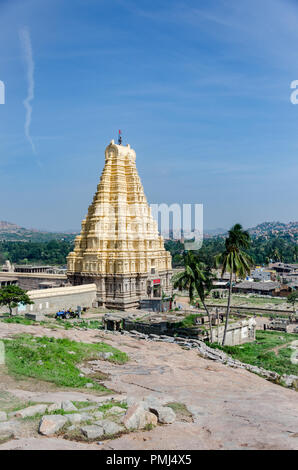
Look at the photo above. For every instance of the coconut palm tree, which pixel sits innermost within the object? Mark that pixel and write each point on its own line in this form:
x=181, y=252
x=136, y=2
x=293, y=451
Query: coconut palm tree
x=235, y=261
x=204, y=283
x=197, y=279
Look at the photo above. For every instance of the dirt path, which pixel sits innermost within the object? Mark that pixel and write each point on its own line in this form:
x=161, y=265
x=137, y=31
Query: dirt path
x=232, y=408
x=276, y=349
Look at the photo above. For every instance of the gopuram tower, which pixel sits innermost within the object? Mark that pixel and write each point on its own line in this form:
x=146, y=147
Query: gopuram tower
x=119, y=248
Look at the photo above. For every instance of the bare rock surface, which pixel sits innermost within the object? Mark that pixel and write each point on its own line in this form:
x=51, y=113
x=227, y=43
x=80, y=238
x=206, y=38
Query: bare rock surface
x=165, y=415
x=3, y=416
x=30, y=411
x=109, y=427
x=67, y=405
x=50, y=424
x=232, y=407
x=137, y=417
x=116, y=410
x=47, y=443
x=75, y=418
x=92, y=431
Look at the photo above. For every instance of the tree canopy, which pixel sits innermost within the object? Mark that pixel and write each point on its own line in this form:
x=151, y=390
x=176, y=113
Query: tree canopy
x=11, y=296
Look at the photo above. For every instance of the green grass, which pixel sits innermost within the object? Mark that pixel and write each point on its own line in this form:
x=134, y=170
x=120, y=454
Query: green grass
x=25, y=321
x=92, y=324
x=188, y=321
x=259, y=352
x=49, y=359
x=182, y=413
x=84, y=404
x=107, y=406
x=20, y=320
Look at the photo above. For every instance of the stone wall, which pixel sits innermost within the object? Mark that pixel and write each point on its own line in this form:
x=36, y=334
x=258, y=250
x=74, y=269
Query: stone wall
x=51, y=300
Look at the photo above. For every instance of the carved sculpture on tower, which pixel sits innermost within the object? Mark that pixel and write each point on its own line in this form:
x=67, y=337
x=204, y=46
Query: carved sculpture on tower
x=119, y=248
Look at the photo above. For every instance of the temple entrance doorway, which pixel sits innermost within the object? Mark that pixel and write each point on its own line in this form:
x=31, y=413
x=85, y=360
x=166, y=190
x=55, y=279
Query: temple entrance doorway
x=156, y=288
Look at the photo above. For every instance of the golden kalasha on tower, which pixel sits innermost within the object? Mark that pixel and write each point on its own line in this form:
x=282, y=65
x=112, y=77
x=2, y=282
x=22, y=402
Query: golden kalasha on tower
x=119, y=248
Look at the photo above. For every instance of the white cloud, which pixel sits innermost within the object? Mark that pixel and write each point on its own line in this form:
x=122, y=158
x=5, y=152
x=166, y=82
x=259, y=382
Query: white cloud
x=28, y=56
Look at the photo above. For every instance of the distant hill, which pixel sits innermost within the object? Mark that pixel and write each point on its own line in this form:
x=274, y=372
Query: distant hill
x=213, y=232
x=269, y=229
x=12, y=232
x=264, y=230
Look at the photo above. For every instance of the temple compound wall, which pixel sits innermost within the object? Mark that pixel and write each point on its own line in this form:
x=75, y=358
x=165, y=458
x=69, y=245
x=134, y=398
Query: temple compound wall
x=47, y=301
x=119, y=248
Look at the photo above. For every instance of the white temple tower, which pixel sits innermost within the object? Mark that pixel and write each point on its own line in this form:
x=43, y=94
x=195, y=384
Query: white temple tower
x=119, y=247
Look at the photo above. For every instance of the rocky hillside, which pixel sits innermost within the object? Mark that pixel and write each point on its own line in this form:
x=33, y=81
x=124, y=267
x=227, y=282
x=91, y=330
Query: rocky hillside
x=13, y=232
x=268, y=229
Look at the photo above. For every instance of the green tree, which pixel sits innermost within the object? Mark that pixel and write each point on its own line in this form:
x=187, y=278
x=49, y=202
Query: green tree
x=11, y=296
x=292, y=299
x=197, y=279
x=235, y=261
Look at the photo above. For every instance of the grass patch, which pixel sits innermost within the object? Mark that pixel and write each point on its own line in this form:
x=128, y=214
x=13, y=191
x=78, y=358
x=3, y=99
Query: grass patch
x=84, y=404
x=259, y=353
x=49, y=359
x=12, y=404
x=6, y=437
x=17, y=319
x=188, y=322
x=182, y=413
x=107, y=406
x=90, y=324
x=148, y=427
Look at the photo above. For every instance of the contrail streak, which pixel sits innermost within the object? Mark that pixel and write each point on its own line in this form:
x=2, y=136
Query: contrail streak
x=28, y=56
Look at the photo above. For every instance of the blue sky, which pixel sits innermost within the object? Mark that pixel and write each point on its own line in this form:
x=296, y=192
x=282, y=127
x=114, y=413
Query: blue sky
x=200, y=89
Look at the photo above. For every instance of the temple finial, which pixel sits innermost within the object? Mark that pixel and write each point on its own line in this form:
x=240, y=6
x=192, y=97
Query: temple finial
x=120, y=138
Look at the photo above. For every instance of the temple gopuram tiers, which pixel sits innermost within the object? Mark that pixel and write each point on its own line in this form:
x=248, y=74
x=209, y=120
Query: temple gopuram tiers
x=119, y=247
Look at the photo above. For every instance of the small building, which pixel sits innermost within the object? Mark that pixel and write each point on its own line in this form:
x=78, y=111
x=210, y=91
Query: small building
x=262, y=288
x=284, y=268
x=262, y=274
x=112, y=322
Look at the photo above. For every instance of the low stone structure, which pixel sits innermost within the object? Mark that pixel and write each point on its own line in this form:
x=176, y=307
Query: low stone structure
x=35, y=316
x=239, y=332
x=50, y=300
x=30, y=281
x=279, y=324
